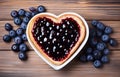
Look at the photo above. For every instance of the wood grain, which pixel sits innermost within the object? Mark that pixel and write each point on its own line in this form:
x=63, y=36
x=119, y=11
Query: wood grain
x=107, y=11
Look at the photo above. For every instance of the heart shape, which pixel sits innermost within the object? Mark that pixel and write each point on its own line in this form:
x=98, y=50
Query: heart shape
x=57, y=39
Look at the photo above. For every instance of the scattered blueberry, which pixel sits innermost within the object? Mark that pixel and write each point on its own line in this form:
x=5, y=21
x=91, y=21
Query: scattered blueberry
x=113, y=42
x=24, y=37
x=93, y=41
x=34, y=13
x=23, y=25
x=32, y=9
x=21, y=12
x=18, y=40
x=100, y=46
x=17, y=21
x=12, y=33
x=99, y=33
x=8, y=27
x=108, y=30
x=15, y=47
x=90, y=57
x=83, y=58
x=97, y=63
x=92, y=33
x=100, y=26
x=22, y=56
x=6, y=38
x=94, y=23
x=28, y=14
x=105, y=38
x=104, y=59
x=89, y=50
x=26, y=19
x=106, y=51
x=14, y=13
x=41, y=9
x=23, y=47
x=19, y=31
x=97, y=54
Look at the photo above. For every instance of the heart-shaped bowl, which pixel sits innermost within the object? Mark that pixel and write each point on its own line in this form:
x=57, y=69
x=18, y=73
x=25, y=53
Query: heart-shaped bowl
x=79, y=48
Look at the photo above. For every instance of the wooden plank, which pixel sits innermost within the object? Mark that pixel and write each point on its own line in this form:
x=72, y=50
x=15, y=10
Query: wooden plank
x=10, y=65
x=89, y=9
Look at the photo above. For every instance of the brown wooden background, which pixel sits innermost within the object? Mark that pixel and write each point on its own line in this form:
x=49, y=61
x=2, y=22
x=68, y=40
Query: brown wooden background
x=107, y=11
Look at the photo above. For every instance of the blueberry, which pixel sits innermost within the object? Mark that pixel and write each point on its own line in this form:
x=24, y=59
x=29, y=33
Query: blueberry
x=100, y=26
x=14, y=13
x=104, y=59
x=99, y=33
x=15, y=47
x=28, y=14
x=34, y=13
x=19, y=31
x=97, y=63
x=83, y=58
x=93, y=42
x=6, y=38
x=26, y=19
x=105, y=38
x=32, y=9
x=89, y=50
x=18, y=40
x=21, y=12
x=100, y=46
x=23, y=47
x=8, y=27
x=24, y=37
x=92, y=32
x=12, y=33
x=41, y=9
x=90, y=57
x=97, y=54
x=106, y=51
x=17, y=21
x=108, y=30
x=23, y=25
x=113, y=42
x=94, y=23
x=22, y=56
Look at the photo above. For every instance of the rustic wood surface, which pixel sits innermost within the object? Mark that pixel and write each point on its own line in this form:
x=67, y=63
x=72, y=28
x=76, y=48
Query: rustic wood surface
x=107, y=11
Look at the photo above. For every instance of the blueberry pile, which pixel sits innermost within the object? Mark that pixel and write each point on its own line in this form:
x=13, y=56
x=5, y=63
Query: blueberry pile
x=97, y=50
x=21, y=19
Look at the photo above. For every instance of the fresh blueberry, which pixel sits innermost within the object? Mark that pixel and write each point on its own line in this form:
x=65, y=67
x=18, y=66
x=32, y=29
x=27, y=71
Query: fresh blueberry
x=89, y=50
x=108, y=30
x=22, y=56
x=34, y=13
x=106, y=51
x=8, y=27
x=28, y=14
x=104, y=59
x=105, y=38
x=93, y=42
x=15, y=47
x=113, y=42
x=100, y=26
x=90, y=57
x=17, y=21
x=24, y=37
x=6, y=38
x=99, y=33
x=97, y=54
x=41, y=9
x=21, y=12
x=83, y=58
x=32, y=9
x=92, y=32
x=23, y=47
x=23, y=25
x=19, y=31
x=18, y=40
x=14, y=13
x=97, y=63
x=12, y=33
x=94, y=23
x=100, y=46
x=26, y=19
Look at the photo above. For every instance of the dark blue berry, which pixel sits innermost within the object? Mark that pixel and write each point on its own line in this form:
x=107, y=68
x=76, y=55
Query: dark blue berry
x=12, y=33
x=14, y=13
x=97, y=54
x=105, y=38
x=83, y=58
x=23, y=47
x=99, y=33
x=24, y=37
x=89, y=50
x=8, y=27
x=97, y=63
x=18, y=40
x=100, y=26
x=15, y=47
x=113, y=42
x=19, y=31
x=93, y=42
x=23, y=25
x=108, y=30
x=104, y=59
x=17, y=21
x=6, y=38
x=101, y=46
x=28, y=14
x=26, y=19
x=41, y=9
x=92, y=32
x=32, y=9
x=34, y=13
x=21, y=12
x=90, y=57
x=94, y=23
x=106, y=51
x=22, y=56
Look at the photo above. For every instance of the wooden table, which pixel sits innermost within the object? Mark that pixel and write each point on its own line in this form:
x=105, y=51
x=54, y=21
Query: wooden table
x=106, y=11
